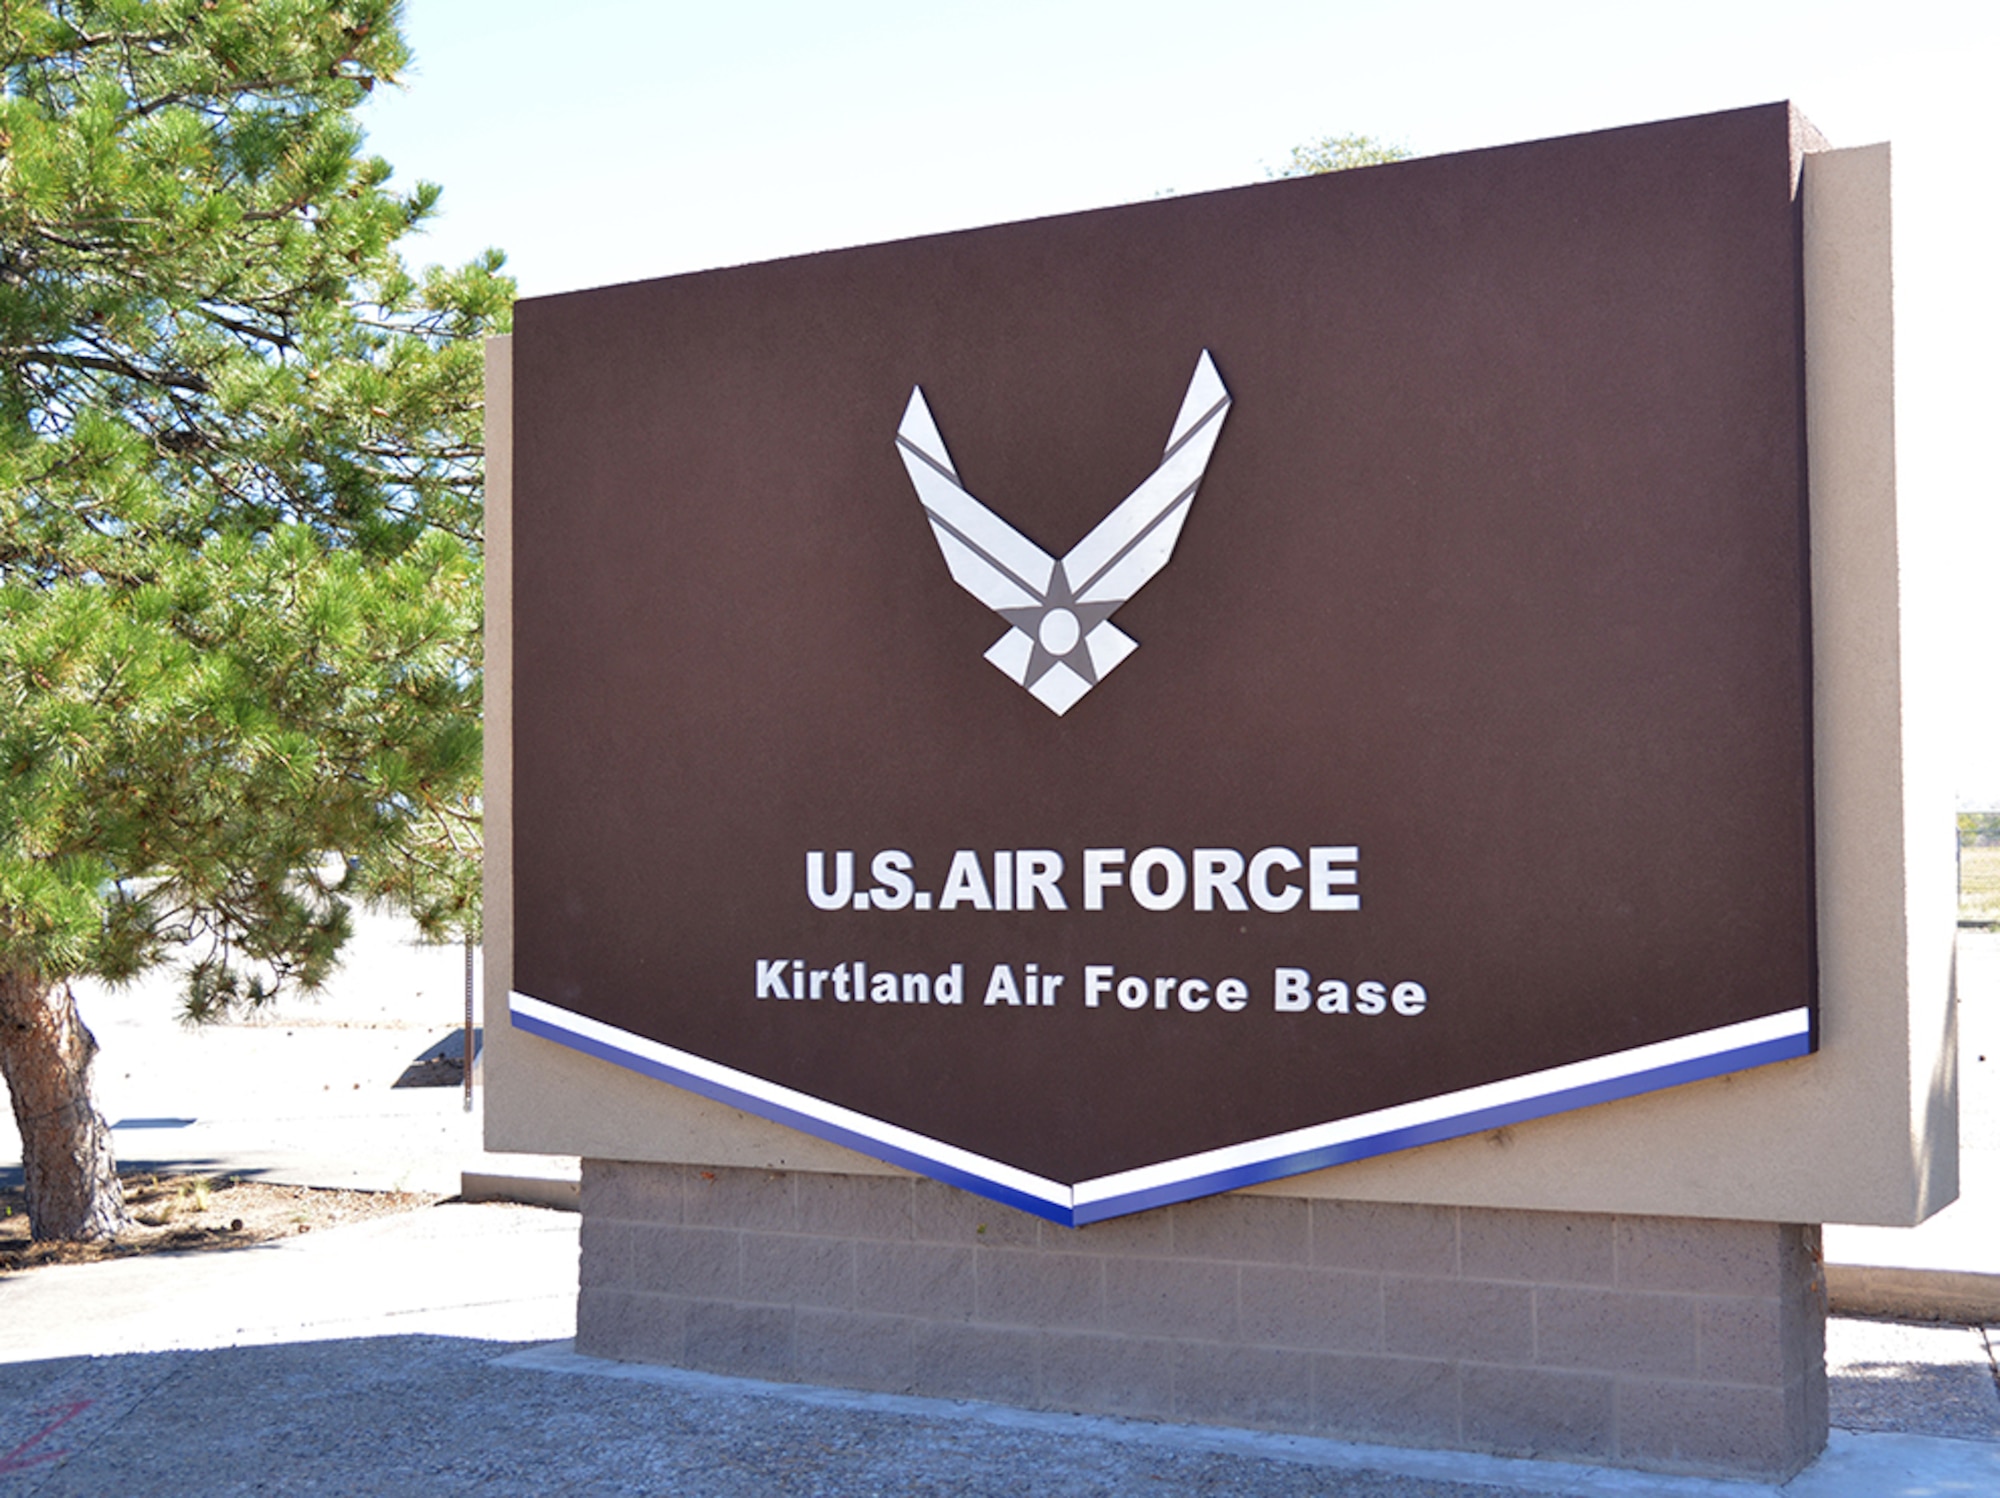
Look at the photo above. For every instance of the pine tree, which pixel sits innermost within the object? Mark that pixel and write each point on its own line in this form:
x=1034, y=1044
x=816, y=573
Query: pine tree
x=240, y=497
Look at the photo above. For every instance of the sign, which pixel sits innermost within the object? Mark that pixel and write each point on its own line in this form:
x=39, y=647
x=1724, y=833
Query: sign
x=1061, y=641
x=1397, y=584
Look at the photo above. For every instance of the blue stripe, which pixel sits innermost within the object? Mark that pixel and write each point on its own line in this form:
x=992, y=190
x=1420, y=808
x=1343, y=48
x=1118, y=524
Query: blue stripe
x=805, y=1123
x=1784, y=1048
x=1700, y=1068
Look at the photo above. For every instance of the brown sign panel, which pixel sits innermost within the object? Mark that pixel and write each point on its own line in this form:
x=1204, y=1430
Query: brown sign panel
x=1446, y=761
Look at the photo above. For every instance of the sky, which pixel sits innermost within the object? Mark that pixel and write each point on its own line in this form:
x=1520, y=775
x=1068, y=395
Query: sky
x=616, y=140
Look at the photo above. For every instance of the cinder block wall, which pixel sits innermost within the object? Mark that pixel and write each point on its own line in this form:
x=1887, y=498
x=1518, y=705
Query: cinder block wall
x=1668, y=1343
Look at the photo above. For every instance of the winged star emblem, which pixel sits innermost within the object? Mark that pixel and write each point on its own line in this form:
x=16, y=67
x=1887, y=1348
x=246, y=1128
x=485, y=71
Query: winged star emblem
x=1060, y=640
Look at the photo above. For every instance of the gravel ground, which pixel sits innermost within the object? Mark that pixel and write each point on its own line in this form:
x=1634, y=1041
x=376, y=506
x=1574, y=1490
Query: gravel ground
x=1937, y=1379
x=436, y=1415
x=442, y=1415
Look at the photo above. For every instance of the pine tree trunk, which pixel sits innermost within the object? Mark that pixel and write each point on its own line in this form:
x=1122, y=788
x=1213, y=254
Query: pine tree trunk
x=45, y=1055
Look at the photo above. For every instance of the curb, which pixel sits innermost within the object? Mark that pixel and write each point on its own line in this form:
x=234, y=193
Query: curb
x=1958, y=1295
x=564, y=1195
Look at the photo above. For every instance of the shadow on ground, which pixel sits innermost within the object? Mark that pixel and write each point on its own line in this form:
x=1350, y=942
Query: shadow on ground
x=437, y=1415
x=1957, y=1400
x=443, y=1415
x=1937, y=1378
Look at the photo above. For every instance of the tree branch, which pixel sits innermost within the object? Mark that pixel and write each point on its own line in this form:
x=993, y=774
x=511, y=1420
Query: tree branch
x=104, y=365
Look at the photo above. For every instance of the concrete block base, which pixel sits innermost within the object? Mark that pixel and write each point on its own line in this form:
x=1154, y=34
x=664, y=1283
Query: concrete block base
x=1665, y=1343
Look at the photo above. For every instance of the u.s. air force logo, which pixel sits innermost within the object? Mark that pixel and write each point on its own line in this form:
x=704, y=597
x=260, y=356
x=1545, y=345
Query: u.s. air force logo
x=1061, y=642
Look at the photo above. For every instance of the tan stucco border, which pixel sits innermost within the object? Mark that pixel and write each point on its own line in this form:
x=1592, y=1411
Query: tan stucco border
x=1865, y=1131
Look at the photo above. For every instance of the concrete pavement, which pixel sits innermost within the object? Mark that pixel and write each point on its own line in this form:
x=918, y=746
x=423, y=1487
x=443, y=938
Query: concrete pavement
x=492, y=1271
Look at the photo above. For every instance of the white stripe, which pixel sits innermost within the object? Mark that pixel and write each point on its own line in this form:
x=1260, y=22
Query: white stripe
x=979, y=577
x=1204, y=390
x=1451, y=1105
x=920, y=430
x=1788, y=1025
x=1141, y=564
x=716, y=1074
x=1121, y=555
x=986, y=531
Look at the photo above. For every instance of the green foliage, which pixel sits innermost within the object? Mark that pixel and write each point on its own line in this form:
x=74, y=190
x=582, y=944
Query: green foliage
x=1979, y=829
x=240, y=494
x=1340, y=153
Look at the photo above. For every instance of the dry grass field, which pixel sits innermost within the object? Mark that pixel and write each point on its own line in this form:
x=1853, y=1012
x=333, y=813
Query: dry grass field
x=1978, y=886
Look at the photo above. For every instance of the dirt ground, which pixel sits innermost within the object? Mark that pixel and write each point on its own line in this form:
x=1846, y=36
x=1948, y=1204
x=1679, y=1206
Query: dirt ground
x=1978, y=886
x=176, y=1214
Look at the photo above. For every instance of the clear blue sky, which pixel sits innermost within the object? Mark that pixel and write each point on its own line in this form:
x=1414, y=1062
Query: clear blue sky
x=611, y=140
